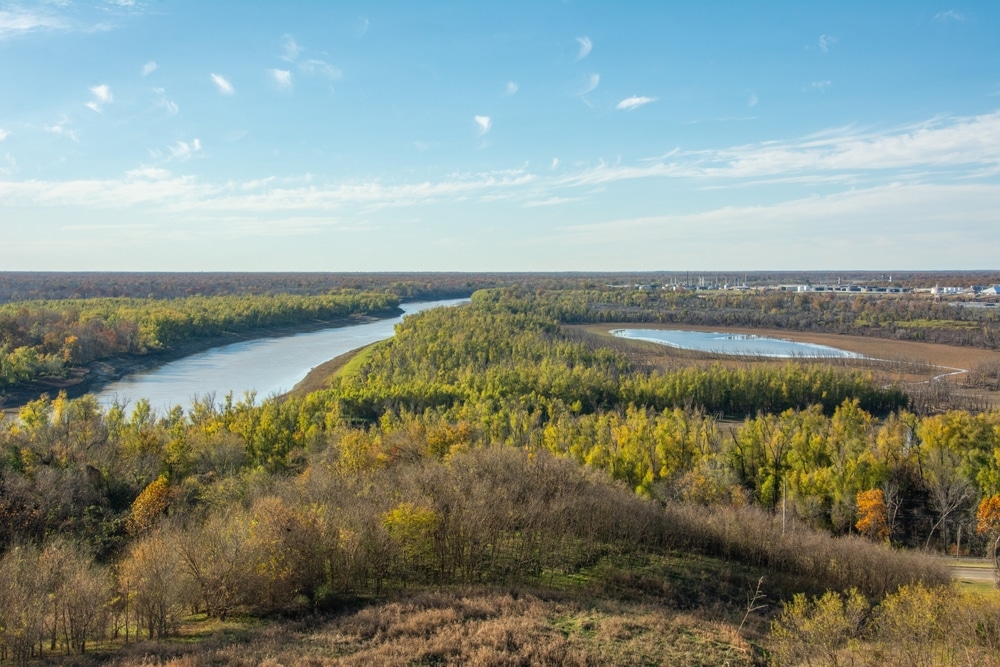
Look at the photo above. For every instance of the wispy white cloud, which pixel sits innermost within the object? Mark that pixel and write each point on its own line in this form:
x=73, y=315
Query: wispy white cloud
x=950, y=16
x=16, y=21
x=902, y=223
x=35, y=16
x=308, y=66
x=555, y=163
x=825, y=42
x=292, y=49
x=3, y=134
x=752, y=101
x=148, y=173
x=149, y=68
x=937, y=145
x=8, y=166
x=313, y=66
x=223, y=84
x=634, y=102
x=820, y=86
x=186, y=194
x=282, y=77
x=102, y=95
x=163, y=103
x=183, y=150
x=61, y=129
x=593, y=81
x=551, y=201
x=585, y=47
x=958, y=147
x=484, y=124
x=361, y=27
x=511, y=88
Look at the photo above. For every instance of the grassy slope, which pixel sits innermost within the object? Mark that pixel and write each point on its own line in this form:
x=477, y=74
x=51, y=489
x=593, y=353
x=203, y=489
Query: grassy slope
x=660, y=610
x=629, y=610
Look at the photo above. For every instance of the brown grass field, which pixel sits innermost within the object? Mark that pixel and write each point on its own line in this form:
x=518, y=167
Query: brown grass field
x=475, y=627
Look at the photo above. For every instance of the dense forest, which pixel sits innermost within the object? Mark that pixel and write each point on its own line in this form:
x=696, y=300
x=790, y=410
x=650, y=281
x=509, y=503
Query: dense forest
x=47, y=338
x=483, y=446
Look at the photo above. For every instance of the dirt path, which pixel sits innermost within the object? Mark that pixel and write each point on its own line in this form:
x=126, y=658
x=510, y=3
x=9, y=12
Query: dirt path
x=971, y=570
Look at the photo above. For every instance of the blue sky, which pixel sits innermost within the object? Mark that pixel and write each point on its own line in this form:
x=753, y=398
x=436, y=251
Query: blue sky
x=499, y=136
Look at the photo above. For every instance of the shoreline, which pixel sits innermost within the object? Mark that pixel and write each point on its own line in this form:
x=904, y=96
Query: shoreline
x=319, y=377
x=96, y=375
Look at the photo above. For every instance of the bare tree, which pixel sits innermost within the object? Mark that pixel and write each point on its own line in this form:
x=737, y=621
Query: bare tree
x=948, y=488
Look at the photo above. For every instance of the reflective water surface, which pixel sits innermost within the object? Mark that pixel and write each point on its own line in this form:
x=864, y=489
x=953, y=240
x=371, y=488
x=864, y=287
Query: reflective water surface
x=268, y=366
x=736, y=344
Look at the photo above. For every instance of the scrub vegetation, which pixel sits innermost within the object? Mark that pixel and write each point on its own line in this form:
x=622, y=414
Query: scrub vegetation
x=485, y=488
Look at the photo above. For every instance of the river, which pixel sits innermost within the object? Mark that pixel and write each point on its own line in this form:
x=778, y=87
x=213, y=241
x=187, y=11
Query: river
x=267, y=366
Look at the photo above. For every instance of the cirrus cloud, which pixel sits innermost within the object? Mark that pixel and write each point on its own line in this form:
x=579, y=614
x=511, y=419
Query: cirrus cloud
x=282, y=77
x=585, y=47
x=484, y=124
x=313, y=66
x=223, y=84
x=634, y=102
x=292, y=49
x=825, y=42
x=949, y=16
x=592, y=83
x=102, y=95
x=19, y=22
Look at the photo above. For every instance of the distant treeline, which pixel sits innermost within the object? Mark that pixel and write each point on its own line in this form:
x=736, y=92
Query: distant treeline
x=45, y=338
x=30, y=285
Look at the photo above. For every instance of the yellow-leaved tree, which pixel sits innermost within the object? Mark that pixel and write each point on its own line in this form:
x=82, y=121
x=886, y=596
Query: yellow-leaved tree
x=149, y=506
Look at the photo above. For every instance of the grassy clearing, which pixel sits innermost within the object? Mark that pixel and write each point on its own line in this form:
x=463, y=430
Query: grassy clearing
x=467, y=627
x=357, y=359
x=934, y=324
x=648, y=609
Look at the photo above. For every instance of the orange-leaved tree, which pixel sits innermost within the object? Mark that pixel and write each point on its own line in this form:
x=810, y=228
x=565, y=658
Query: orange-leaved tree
x=873, y=515
x=988, y=523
